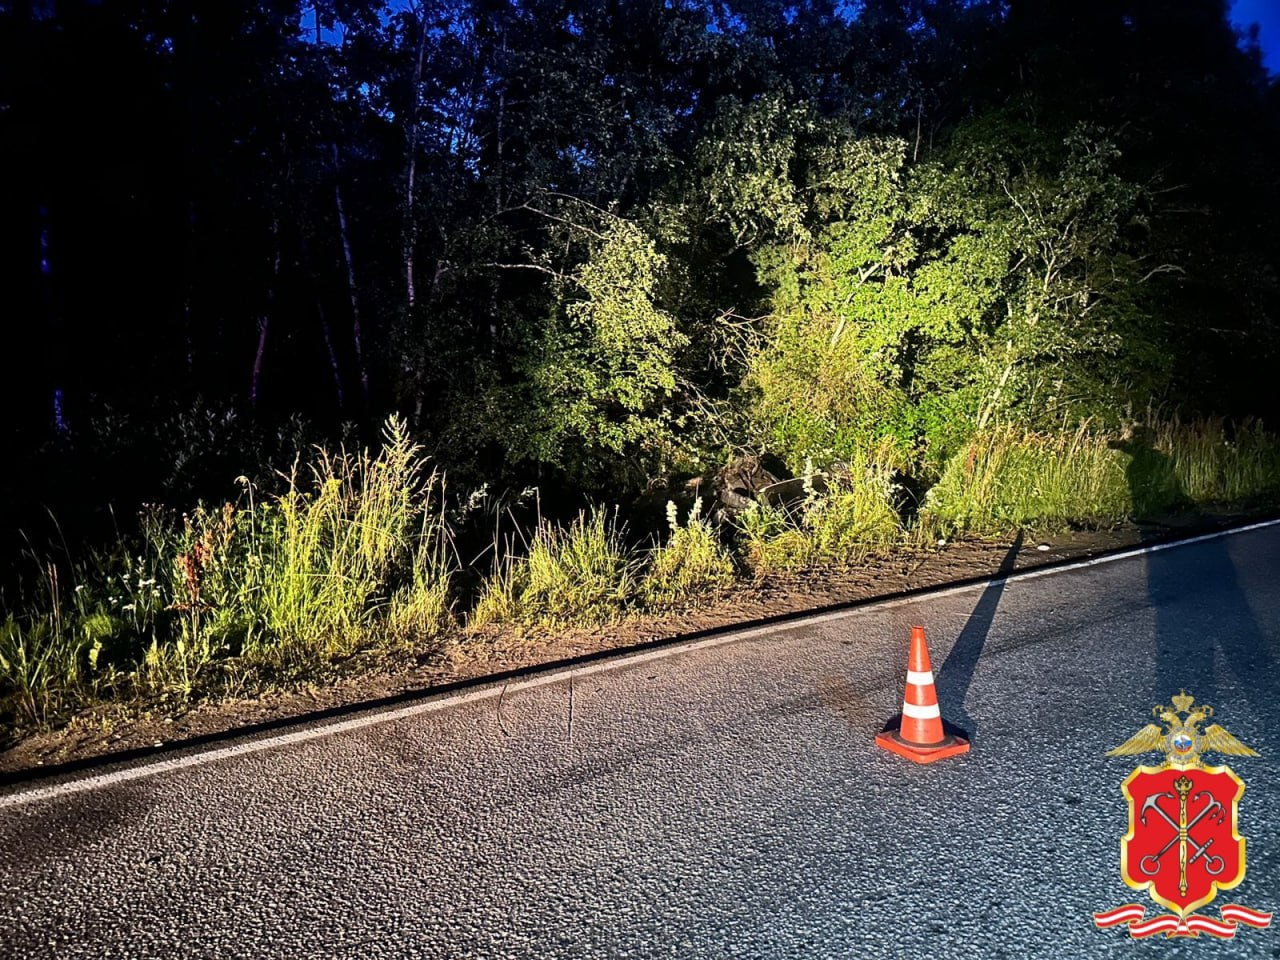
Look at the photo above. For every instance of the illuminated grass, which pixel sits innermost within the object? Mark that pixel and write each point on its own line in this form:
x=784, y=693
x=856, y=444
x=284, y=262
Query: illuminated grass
x=1007, y=479
x=692, y=565
x=351, y=554
x=581, y=574
x=838, y=526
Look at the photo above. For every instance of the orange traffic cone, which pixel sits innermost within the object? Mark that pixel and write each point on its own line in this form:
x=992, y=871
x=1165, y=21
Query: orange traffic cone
x=918, y=734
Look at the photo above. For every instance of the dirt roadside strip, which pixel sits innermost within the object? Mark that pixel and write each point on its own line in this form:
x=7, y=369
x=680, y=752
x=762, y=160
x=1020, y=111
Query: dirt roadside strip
x=491, y=665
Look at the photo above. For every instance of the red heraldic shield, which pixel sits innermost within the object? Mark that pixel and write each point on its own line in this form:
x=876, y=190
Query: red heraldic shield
x=1182, y=845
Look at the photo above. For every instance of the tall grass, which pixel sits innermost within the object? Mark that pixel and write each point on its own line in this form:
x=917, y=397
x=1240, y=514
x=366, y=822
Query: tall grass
x=1209, y=463
x=34, y=666
x=60, y=646
x=585, y=573
x=691, y=565
x=204, y=571
x=421, y=611
x=1007, y=479
x=838, y=523
x=351, y=552
x=582, y=574
x=323, y=550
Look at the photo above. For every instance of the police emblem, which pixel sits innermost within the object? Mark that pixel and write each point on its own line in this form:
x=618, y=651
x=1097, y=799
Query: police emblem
x=1183, y=844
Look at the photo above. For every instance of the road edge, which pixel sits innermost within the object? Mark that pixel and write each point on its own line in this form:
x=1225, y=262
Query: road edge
x=306, y=728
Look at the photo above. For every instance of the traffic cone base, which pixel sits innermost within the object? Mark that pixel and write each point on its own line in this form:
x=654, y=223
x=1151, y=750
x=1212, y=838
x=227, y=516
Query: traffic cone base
x=950, y=746
x=918, y=732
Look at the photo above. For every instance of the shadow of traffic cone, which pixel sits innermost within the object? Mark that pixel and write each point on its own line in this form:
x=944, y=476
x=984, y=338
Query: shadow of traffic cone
x=918, y=733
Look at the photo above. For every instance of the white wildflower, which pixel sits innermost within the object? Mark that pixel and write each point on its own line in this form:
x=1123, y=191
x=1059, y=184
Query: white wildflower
x=478, y=496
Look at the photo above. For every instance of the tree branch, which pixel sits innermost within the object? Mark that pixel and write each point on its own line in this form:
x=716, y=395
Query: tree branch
x=523, y=266
x=1163, y=268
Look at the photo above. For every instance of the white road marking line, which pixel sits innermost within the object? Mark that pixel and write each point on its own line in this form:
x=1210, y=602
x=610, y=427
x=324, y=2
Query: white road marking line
x=613, y=663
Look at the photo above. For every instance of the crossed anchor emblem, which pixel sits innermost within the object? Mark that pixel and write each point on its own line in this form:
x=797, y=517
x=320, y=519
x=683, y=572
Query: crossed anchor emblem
x=1189, y=850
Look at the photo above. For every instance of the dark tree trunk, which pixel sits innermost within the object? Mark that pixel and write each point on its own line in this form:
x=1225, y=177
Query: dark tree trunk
x=333, y=356
x=334, y=367
x=264, y=321
x=411, y=220
x=53, y=315
x=344, y=235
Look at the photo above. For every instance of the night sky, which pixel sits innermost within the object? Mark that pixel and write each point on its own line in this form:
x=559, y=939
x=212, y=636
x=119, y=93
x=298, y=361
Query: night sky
x=1266, y=14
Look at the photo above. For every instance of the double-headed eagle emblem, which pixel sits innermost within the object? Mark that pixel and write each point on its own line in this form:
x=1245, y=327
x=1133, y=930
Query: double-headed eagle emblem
x=1181, y=739
x=1183, y=844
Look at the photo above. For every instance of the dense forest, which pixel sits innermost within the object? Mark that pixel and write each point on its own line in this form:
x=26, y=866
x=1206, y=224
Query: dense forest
x=596, y=246
x=595, y=242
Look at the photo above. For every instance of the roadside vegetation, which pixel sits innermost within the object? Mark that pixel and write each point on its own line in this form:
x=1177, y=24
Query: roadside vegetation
x=746, y=291
x=1005, y=479
x=349, y=558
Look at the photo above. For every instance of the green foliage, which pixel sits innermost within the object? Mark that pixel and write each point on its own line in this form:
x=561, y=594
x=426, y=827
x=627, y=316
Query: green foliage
x=691, y=565
x=920, y=300
x=540, y=228
x=602, y=371
x=554, y=235
x=1006, y=479
x=582, y=574
x=838, y=523
x=1073, y=336
x=836, y=334
x=354, y=556
x=749, y=159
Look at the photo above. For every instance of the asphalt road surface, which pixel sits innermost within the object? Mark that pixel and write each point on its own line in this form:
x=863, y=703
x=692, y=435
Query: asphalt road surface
x=724, y=801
